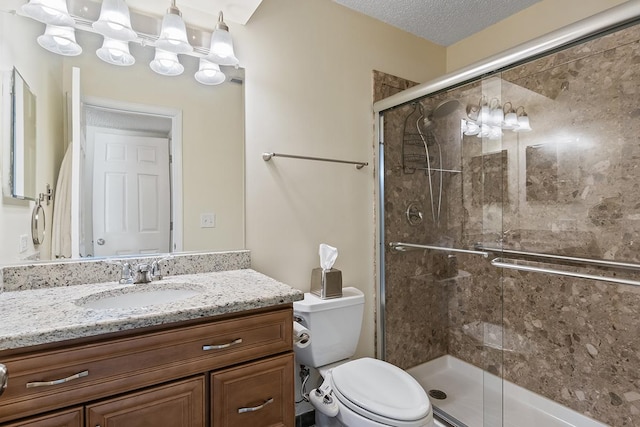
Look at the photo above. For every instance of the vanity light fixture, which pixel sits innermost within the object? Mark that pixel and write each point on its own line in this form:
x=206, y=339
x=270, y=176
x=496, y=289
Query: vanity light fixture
x=166, y=63
x=489, y=119
x=209, y=73
x=52, y=12
x=221, y=50
x=523, y=122
x=114, y=24
x=115, y=21
x=115, y=52
x=60, y=40
x=173, y=35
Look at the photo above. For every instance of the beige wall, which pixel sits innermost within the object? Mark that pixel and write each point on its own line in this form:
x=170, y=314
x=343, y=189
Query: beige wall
x=43, y=74
x=309, y=92
x=535, y=21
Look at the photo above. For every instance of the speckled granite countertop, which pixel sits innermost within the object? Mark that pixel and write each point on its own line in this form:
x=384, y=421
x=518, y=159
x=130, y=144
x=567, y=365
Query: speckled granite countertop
x=41, y=316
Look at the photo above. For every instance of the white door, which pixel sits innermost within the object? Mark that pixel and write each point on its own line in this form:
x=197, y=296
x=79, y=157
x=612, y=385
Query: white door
x=131, y=195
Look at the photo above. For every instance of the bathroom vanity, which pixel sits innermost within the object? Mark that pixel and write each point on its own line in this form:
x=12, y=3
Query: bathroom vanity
x=222, y=357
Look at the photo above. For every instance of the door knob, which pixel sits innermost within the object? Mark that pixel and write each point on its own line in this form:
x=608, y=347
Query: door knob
x=100, y=242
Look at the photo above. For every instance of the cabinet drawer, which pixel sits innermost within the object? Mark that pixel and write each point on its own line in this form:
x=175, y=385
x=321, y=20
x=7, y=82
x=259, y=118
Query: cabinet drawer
x=68, y=418
x=258, y=394
x=109, y=367
x=179, y=404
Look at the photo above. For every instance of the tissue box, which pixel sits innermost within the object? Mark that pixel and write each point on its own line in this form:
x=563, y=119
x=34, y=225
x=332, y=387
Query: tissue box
x=326, y=284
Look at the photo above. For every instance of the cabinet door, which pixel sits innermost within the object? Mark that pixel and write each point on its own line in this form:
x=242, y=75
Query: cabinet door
x=179, y=404
x=257, y=394
x=69, y=418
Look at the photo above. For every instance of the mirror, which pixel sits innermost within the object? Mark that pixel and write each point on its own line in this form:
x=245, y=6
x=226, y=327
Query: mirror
x=20, y=174
x=206, y=121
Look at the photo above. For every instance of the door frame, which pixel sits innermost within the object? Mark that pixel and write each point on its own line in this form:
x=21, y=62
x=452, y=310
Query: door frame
x=175, y=151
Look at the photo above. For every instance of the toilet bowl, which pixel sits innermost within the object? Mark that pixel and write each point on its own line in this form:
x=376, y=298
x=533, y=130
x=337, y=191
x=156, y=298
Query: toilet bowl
x=355, y=393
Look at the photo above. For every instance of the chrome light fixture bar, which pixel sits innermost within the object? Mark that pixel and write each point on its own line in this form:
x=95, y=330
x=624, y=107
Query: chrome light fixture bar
x=114, y=24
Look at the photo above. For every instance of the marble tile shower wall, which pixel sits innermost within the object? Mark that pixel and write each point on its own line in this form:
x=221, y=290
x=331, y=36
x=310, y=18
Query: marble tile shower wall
x=572, y=187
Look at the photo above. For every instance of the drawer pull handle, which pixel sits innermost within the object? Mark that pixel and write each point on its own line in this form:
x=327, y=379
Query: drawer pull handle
x=56, y=382
x=256, y=408
x=221, y=346
x=4, y=378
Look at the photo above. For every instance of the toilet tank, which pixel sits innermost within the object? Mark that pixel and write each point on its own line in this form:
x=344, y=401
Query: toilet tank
x=334, y=325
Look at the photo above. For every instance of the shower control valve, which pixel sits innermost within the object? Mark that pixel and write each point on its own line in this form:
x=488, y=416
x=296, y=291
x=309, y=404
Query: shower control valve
x=324, y=402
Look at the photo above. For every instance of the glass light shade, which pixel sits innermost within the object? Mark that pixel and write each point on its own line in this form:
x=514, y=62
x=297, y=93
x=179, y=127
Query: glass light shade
x=60, y=40
x=209, y=73
x=115, y=21
x=523, y=124
x=166, y=63
x=485, y=114
x=485, y=131
x=52, y=12
x=221, y=50
x=510, y=121
x=497, y=116
x=115, y=52
x=173, y=35
x=472, y=128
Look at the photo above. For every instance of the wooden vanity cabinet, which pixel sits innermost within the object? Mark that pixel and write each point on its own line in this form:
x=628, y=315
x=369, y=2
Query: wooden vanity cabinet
x=254, y=394
x=174, y=376
x=73, y=417
x=178, y=404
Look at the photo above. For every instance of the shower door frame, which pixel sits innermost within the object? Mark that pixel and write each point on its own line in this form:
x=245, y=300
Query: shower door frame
x=607, y=20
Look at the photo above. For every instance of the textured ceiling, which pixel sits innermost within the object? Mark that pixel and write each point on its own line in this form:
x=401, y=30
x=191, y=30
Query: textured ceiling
x=443, y=22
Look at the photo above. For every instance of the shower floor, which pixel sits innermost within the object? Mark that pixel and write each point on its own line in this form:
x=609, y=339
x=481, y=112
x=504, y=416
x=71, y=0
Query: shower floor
x=475, y=398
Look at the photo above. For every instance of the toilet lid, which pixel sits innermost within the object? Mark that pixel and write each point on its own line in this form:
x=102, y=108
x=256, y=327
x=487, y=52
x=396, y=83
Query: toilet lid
x=382, y=389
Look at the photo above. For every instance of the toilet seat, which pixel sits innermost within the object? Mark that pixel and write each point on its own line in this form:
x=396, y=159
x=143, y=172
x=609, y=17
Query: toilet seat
x=380, y=391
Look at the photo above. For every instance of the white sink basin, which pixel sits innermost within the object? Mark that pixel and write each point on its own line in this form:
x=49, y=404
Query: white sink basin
x=138, y=296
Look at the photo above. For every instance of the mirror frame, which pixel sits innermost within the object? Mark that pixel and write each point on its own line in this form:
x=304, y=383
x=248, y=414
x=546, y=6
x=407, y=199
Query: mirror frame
x=19, y=166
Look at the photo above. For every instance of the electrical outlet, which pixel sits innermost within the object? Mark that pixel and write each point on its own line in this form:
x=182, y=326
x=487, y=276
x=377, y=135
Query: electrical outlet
x=207, y=220
x=24, y=242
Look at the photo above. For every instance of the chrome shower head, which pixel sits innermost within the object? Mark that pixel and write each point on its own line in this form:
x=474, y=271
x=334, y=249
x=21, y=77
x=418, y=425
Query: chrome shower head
x=445, y=108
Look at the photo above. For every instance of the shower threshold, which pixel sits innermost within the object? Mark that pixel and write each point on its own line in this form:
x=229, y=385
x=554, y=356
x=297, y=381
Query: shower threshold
x=476, y=398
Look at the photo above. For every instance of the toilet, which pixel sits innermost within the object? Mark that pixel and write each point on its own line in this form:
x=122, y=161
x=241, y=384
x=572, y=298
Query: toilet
x=354, y=393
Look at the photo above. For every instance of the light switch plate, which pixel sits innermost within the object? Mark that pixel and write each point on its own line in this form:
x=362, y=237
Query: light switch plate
x=207, y=220
x=24, y=242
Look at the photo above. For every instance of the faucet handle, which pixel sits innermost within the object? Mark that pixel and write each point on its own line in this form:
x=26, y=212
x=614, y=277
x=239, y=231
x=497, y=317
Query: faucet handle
x=155, y=267
x=126, y=275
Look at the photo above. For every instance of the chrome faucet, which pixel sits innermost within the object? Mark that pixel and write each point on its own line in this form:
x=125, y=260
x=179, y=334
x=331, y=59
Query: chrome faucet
x=140, y=273
x=147, y=272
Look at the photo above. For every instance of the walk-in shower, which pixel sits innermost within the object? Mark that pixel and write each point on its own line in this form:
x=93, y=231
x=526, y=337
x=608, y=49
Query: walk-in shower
x=509, y=280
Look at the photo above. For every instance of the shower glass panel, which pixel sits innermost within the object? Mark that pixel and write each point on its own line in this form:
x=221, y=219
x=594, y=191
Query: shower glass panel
x=444, y=186
x=538, y=165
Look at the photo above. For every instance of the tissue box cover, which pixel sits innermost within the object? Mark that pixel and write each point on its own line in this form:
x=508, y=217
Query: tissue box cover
x=326, y=284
